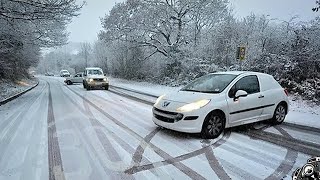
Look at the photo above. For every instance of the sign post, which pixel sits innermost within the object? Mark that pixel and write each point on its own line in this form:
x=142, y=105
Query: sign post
x=241, y=55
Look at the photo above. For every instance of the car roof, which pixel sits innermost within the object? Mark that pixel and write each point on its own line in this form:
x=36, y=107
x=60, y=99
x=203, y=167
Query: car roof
x=92, y=68
x=230, y=72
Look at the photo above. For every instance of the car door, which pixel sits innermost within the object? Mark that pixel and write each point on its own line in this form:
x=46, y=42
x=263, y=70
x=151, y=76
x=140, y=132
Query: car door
x=245, y=109
x=78, y=78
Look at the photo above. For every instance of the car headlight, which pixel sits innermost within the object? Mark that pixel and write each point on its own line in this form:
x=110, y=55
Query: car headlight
x=159, y=99
x=90, y=80
x=193, y=106
x=105, y=79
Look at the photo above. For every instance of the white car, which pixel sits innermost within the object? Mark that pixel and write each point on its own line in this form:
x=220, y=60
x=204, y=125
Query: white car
x=93, y=77
x=78, y=78
x=221, y=100
x=64, y=73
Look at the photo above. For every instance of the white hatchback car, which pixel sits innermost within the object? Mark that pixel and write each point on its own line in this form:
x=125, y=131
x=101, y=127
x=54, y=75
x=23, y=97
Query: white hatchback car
x=221, y=100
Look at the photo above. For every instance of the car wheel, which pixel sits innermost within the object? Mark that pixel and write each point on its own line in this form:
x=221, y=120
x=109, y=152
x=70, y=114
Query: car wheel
x=88, y=88
x=213, y=125
x=69, y=82
x=279, y=114
x=106, y=87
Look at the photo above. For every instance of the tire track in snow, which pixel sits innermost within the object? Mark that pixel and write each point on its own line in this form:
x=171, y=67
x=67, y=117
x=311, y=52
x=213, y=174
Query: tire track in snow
x=287, y=164
x=54, y=155
x=180, y=158
x=98, y=125
x=183, y=168
x=110, y=151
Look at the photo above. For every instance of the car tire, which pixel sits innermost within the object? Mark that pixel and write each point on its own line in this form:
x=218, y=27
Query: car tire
x=213, y=125
x=69, y=82
x=106, y=87
x=279, y=114
x=88, y=88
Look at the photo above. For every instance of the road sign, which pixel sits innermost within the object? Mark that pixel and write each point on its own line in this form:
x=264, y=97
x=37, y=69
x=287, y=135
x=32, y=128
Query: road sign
x=241, y=53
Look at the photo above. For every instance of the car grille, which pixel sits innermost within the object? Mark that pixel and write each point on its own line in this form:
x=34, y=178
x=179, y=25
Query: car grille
x=165, y=119
x=166, y=116
x=165, y=112
x=98, y=80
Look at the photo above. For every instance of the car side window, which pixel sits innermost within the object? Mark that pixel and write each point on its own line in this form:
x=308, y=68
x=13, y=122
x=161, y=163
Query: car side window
x=250, y=84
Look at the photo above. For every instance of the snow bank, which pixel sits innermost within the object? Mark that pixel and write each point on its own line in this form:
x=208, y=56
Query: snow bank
x=9, y=88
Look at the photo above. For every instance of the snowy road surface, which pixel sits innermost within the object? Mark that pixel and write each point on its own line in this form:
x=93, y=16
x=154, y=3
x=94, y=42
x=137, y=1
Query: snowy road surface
x=65, y=132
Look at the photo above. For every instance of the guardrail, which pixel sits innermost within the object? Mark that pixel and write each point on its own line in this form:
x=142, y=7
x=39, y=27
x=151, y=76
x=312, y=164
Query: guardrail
x=135, y=91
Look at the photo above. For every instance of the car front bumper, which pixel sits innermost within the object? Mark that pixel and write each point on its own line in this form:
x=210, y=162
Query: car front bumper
x=97, y=84
x=191, y=122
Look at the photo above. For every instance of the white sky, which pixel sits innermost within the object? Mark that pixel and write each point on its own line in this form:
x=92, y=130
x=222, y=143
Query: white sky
x=87, y=25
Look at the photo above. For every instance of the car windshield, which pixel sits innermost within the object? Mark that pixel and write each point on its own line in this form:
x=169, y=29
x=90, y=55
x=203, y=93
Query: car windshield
x=65, y=72
x=95, y=72
x=213, y=83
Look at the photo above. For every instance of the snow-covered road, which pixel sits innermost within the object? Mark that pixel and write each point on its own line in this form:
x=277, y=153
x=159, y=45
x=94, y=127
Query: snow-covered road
x=65, y=132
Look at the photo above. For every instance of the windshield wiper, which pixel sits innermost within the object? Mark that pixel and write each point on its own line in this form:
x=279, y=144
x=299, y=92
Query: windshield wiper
x=191, y=90
x=213, y=92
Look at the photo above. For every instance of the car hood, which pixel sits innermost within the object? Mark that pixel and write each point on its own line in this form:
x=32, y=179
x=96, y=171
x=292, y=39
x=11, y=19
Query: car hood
x=188, y=96
x=96, y=76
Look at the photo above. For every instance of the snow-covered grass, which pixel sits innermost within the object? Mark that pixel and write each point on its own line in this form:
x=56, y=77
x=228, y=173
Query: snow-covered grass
x=301, y=111
x=299, y=105
x=9, y=88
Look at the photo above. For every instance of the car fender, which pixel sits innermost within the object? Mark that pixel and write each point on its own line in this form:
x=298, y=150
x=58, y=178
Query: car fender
x=220, y=104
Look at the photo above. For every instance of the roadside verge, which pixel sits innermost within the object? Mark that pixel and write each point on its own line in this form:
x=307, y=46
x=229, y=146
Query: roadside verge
x=18, y=94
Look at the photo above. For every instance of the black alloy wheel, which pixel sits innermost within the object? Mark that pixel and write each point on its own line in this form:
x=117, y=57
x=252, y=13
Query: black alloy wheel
x=279, y=114
x=213, y=125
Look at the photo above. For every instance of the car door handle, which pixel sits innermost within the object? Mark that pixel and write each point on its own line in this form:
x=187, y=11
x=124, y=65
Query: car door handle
x=261, y=96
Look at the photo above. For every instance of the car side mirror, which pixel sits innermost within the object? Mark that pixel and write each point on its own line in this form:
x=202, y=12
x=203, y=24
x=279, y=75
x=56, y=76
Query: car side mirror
x=105, y=74
x=240, y=93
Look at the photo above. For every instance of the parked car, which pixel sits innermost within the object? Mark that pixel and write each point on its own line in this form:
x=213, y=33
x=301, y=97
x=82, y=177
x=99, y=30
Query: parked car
x=78, y=78
x=221, y=100
x=93, y=78
x=64, y=73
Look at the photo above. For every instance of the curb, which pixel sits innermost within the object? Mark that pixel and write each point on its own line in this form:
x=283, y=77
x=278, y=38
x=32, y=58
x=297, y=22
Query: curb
x=17, y=95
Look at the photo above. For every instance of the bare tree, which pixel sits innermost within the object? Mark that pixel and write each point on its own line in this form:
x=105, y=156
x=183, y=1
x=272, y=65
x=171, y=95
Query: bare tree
x=86, y=51
x=28, y=25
